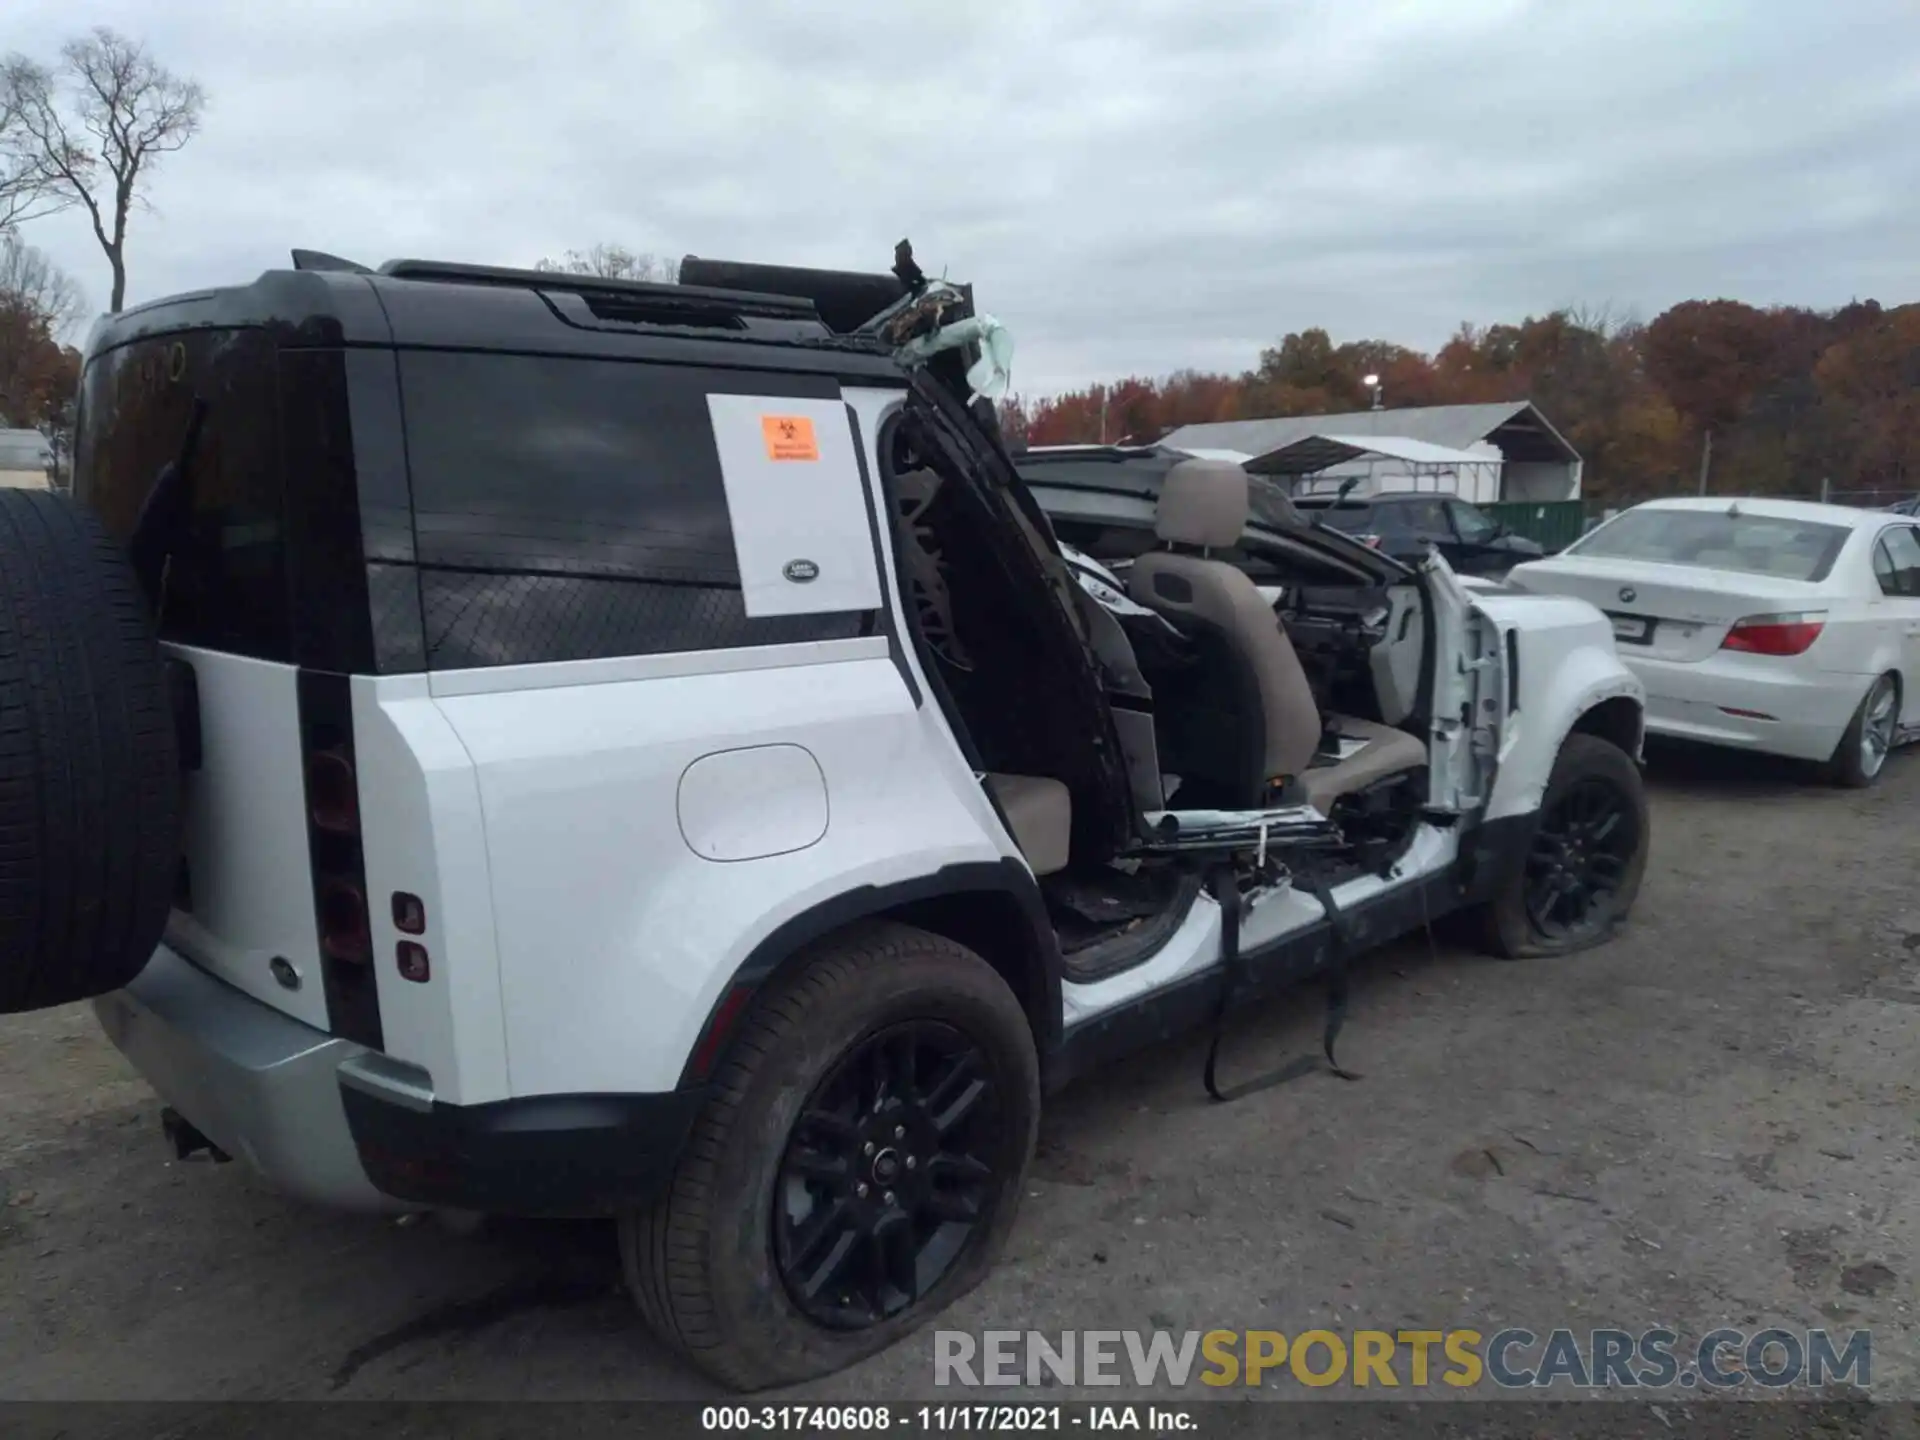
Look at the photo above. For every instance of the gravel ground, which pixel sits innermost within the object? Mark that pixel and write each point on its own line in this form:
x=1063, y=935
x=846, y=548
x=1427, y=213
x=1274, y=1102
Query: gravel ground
x=1710, y=1122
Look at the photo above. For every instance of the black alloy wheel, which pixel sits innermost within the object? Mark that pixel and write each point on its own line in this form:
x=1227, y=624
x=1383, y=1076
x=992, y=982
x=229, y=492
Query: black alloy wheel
x=888, y=1175
x=1579, y=859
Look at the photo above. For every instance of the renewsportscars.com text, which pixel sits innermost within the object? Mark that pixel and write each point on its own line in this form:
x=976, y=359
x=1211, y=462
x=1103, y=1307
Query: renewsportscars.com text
x=1511, y=1359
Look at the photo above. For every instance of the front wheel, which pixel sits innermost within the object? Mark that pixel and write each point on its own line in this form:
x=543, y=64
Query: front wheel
x=1862, y=752
x=1584, y=862
x=857, y=1167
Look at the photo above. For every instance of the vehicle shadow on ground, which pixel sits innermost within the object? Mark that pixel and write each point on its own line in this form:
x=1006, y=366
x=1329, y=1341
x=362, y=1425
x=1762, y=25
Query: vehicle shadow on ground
x=555, y=1279
x=1679, y=767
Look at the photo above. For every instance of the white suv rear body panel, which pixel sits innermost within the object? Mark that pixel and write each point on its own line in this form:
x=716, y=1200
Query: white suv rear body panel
x=426, y=836
x=246, y=836
x=616, y=938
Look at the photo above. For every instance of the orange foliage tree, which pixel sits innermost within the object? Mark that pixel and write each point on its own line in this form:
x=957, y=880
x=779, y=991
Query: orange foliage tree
x=1793, y=397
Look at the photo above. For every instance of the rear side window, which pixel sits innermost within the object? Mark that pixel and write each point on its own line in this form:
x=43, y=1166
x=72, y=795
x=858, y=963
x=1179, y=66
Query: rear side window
x=225, y=584
x=1414, y=517
x=1896, y=561
x=1787, y=549
x=1472, y=524
x=1349, y=519
x=571, y=509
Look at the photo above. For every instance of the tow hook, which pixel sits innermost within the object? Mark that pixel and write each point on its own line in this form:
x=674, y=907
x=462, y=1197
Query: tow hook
x=186, y=1140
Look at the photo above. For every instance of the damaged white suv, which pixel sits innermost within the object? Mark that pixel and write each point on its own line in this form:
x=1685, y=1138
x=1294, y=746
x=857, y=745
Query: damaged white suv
x=635, y=750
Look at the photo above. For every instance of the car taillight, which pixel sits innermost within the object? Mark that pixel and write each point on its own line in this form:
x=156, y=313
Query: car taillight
x=1373, y=541
x=333, y=792
x=344, y=931
x=1776, y=634
x=414, y=962
x=336, y=861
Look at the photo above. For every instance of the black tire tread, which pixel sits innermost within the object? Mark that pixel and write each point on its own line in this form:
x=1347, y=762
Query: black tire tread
x=89, y=779
x=666, y=1241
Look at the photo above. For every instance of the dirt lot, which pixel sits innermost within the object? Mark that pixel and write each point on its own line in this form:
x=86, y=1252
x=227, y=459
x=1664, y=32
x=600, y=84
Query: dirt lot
x=1710, y=1122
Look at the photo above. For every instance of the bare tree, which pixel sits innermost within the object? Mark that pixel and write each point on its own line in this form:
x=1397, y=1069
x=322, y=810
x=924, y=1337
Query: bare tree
x=614, y=262
x=22, y=196
x=96, y=145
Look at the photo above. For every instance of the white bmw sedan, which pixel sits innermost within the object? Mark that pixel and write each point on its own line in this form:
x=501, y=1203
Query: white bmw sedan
x=1774, y=625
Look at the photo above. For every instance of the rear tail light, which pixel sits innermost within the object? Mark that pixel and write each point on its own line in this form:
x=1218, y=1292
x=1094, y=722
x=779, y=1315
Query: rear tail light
x=333, y=793
x=1370, y=541
x=344, y=931
x=1789, y=634
x=413, y=961
x=336, y=861
x=409, y=913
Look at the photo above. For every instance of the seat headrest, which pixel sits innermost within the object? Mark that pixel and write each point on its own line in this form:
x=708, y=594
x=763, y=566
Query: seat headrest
x=1202, y=502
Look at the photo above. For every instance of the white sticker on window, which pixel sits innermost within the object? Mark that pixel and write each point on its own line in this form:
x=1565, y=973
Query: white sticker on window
x=794, y=496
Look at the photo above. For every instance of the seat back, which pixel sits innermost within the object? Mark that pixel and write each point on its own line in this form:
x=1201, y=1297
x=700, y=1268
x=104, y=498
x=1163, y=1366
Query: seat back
x=1248, y=716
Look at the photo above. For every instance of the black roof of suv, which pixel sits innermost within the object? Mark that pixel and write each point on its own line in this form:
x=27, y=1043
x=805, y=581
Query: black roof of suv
x=438, y=305
x=432, y=466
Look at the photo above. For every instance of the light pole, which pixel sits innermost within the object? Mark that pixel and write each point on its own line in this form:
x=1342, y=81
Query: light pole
x=1372, y=382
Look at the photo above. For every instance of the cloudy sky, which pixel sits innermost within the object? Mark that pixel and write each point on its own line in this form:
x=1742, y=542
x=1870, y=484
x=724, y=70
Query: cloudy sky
x=1133, y=186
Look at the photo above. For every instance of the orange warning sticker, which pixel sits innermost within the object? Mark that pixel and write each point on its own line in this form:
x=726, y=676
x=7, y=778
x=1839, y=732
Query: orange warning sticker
x=789, y=437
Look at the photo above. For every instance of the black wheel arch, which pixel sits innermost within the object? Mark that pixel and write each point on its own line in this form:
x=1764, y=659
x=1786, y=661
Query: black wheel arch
x=994, y=908
x=1620, y=721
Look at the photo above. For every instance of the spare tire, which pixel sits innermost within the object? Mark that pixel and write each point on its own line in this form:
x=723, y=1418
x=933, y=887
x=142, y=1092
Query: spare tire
x=89, y=776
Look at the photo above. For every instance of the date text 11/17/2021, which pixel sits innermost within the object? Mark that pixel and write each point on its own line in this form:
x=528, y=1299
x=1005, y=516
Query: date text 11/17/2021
x=945, y=1419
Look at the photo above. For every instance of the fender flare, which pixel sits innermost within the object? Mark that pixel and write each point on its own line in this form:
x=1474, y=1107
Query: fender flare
x=1562, y=719
x=1020, y=916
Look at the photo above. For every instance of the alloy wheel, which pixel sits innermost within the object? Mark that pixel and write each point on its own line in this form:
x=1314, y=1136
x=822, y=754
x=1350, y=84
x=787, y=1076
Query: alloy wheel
x=1578, y=859
x=892, y=1170
x=1877, y=728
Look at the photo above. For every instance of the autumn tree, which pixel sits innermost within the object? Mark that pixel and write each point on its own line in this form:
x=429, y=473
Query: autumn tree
x=614, y=262
x=40, y=306
x=1872, y=378
x=1793, y=397
x=1014, y=425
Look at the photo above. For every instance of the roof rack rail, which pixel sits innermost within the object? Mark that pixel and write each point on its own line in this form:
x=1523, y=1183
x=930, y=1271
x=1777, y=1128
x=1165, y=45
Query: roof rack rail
x=785, y=307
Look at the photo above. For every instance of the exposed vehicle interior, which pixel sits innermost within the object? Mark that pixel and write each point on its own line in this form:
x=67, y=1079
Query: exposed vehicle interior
x=1264, y=691
x=1216, y=700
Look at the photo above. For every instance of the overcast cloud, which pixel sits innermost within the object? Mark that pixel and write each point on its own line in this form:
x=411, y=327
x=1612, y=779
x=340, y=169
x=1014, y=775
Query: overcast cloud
x=1133, y=187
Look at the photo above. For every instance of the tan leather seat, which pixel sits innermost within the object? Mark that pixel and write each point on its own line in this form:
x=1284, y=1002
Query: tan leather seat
x=1039, y=812
x=1382, y=751
x=1254, y=720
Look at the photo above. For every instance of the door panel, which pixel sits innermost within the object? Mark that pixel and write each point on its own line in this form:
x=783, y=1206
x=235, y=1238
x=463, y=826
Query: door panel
x=1896, y=566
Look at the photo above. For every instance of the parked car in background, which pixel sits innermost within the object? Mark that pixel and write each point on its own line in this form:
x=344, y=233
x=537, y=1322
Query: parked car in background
x=1908, y=506
x=1406, y=526
x=1781, y=626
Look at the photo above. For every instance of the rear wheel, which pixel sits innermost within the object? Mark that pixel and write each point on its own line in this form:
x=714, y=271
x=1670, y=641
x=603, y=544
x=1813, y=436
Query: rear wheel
x=1584, y=862
x=856, y=1169
x=89, y=775
x=1862, y=752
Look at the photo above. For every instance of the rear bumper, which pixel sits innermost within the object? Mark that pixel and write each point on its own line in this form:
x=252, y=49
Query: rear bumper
x=261, y=1086
x=327, y=1120
x=1799, y=714
x=556, y=1155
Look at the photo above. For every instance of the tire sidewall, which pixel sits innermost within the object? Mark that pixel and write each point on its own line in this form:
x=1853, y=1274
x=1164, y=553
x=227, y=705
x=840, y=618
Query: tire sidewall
x=957, y=989
x=1581, y=757
x=1845, y=767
